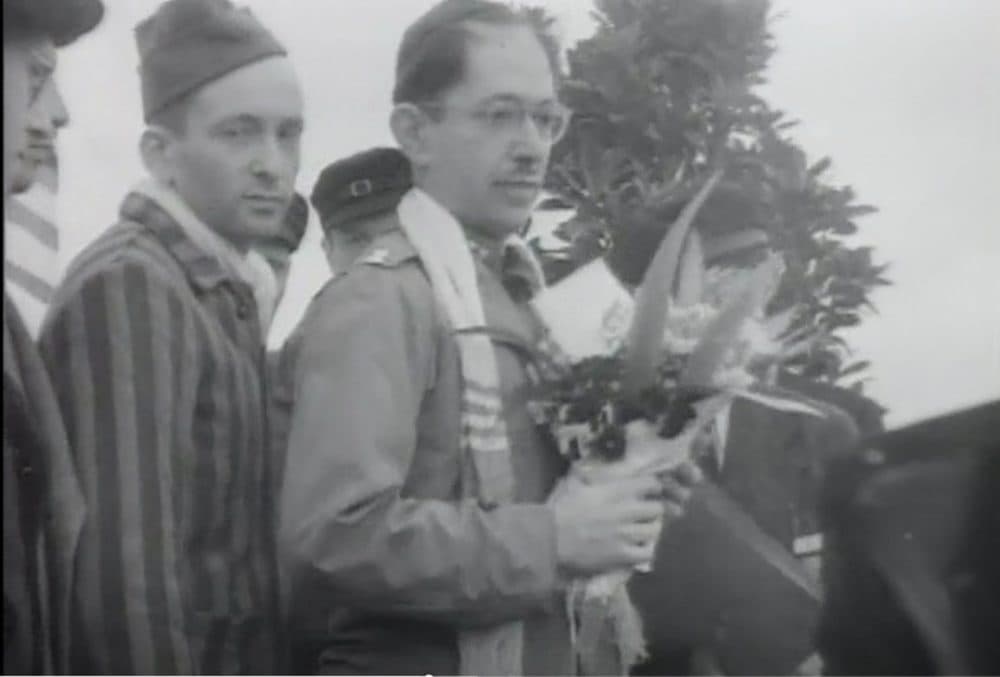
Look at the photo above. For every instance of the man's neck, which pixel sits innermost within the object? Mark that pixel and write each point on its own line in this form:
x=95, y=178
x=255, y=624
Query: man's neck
x=206, y=237
x=485, y=245
x=242, y=246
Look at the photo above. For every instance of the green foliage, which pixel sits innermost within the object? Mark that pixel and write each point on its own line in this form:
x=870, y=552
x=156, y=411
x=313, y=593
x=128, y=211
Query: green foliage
x=663, y=93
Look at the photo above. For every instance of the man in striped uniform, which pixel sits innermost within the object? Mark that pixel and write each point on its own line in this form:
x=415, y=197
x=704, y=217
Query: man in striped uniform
x=43, y=508
x=157, y=354
x=31, y=260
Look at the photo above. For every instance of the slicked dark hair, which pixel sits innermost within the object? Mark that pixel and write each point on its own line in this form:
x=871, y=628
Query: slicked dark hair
x=432, y=54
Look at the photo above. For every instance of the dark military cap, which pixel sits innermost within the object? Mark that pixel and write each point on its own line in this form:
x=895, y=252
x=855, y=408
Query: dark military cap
x=360, y=186
x=294, y=226
x=187, y=44
x=62, y=20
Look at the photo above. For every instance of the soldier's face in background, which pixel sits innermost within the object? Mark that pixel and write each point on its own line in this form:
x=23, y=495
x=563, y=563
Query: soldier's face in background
x=486, y=160
x=24, y=77
x=236, y=159
x=46, y=116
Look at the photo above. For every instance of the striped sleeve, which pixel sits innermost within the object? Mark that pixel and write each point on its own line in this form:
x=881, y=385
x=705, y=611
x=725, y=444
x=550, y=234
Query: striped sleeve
x=118, y=348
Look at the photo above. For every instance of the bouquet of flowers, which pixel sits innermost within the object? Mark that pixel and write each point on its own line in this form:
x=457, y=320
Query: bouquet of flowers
x=652, y=357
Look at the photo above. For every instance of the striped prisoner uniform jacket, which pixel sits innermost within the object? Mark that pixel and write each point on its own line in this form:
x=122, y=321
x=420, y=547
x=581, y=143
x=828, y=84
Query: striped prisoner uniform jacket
x=31, y=259
x=43, y=511
x=157, y=360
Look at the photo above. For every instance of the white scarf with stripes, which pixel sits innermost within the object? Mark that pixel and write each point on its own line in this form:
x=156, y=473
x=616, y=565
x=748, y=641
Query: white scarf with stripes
x=448, y=263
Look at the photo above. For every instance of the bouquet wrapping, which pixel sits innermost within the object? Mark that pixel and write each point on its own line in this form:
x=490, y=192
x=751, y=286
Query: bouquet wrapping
x=670, y=359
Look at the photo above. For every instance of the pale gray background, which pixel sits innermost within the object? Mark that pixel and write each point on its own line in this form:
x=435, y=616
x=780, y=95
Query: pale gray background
x=903, y=94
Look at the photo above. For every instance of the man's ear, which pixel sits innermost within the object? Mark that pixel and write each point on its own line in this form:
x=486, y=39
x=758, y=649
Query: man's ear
x=157, y=146
x=410, y=126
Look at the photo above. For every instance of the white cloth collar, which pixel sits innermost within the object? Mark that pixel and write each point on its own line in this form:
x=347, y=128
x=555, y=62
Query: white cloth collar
x=250, y=267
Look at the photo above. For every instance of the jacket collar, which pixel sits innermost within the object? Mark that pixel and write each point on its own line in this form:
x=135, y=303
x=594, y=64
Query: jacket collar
x=508, y=263
x=204, y=270
x=488, y=252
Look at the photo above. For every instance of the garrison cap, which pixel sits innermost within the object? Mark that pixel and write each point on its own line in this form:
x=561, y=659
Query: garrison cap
x=62, y=20
x=187, y=44
x=361, y=186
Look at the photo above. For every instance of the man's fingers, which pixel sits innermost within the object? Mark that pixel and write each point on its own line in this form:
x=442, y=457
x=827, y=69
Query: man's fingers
x=674, y=490
x=636, y=554
x=672, y=511
x=645, y=487
x=646, y=484
x=688, y=473
x=644, y=533
x=647, y=510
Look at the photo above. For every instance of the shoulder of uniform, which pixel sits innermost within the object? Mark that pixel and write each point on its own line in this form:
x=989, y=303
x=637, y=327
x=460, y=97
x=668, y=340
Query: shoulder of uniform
x=387, y=250
x=385, y=278
x=125, y=246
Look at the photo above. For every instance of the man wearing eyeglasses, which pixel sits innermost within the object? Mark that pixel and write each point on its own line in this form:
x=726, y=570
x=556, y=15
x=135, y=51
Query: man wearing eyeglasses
x=417, y=526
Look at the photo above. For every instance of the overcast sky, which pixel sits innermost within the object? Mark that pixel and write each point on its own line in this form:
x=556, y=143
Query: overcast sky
x=904, y=95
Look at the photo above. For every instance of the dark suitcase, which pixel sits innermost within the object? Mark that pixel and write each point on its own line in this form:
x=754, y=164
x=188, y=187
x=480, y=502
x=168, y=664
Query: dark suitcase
x=721, y=583
x=912, y=522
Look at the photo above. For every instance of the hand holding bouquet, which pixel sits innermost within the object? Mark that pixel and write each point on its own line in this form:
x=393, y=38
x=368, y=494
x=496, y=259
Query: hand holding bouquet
x=642, y=381
x=656, y=476
x=608, y=519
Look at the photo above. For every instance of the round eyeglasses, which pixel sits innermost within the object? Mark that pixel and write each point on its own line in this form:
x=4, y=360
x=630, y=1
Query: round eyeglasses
x=508, y=115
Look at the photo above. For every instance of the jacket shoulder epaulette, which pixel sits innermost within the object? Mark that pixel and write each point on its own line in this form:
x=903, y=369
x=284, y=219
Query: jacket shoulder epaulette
x=388, y=250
